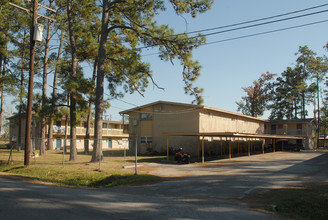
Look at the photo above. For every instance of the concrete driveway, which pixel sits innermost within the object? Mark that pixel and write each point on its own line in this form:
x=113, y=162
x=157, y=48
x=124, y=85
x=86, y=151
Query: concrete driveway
x=211, y=191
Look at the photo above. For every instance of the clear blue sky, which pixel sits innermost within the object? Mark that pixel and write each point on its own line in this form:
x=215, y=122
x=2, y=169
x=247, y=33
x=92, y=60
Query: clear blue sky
x=231, y=65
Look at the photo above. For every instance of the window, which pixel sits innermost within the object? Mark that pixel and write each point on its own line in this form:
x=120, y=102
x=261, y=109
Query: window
x=58, y=123
x=273, y=129
x=104, y=125
x=146, y=117
x=299, y=129
x=146, y=140
x=85, y=125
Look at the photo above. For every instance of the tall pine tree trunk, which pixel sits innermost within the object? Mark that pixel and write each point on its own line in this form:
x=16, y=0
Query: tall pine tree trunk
x=66, y=125
x=99, y=106
x=44, y=88
x=303, y=95
x=73, y=153
x=21, y=90
x=2, y=70
x=318, y=112
x=87, y=132
x=54, y=94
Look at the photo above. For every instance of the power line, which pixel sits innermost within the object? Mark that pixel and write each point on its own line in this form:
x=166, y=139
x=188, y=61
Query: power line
x=124, y=101
x=264, y=23
x=266, y=32
x=250, y=26
x=256, y=34
x=256, y=20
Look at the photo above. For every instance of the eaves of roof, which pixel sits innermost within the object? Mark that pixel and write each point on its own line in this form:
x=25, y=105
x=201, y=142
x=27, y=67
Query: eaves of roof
x=138, y=108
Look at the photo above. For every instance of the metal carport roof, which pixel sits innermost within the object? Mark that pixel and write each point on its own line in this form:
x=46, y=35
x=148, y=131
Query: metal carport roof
x=233, y=134
x=228, y=134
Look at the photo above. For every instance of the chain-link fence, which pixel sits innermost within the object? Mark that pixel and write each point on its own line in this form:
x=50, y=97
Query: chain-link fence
x=57, y=150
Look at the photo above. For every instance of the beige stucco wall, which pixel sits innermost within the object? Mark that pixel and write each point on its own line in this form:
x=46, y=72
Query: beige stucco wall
x=116, y=143
x=165, y=118
x=174, y=118
x=211, y=121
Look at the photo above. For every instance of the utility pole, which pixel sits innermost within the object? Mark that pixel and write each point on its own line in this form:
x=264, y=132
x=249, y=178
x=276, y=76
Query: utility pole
x=30, y=87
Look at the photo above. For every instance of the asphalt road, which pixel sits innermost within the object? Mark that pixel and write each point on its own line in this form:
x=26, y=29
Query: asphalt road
x=212, y=191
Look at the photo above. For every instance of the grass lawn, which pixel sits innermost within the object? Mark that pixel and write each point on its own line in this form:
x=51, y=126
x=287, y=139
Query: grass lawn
x=55, y=168
x=308, y=202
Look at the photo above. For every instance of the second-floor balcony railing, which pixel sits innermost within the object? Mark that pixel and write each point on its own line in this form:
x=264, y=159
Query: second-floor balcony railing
x=289, y=132
x=81, y=131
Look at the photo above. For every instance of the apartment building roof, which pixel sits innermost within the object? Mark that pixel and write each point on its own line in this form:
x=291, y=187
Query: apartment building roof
x=192, y=107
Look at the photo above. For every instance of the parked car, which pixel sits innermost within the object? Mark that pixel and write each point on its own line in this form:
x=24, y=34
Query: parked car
x=286, y=146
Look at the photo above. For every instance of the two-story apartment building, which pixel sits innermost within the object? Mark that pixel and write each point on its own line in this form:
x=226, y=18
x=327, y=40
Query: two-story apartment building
x=151, y=124
x=304, y=128
x=112, y=133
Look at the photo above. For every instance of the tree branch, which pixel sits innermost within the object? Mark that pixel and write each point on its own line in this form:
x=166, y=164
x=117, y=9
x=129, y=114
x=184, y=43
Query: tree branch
x=135, y=86
x=127, y=17
x=152, y=79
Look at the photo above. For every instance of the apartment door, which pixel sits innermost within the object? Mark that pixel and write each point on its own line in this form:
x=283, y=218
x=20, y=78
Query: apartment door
x=58, y=143
x=109, y=143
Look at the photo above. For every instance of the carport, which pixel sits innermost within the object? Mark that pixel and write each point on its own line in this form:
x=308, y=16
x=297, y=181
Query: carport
x=232, y=137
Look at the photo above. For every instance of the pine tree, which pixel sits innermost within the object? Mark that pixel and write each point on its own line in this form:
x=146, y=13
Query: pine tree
x=54, y=92
x=286, y=94
x=305, y=56
x=80, y=16
x=318, y=68
x=125, y=25
x=44, y=83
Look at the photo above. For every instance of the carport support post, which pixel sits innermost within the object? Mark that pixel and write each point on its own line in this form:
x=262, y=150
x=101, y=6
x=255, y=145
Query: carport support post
x=263, y=146
x=230, y=149
x=203, y=159
x=167, y=147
